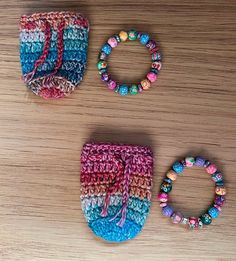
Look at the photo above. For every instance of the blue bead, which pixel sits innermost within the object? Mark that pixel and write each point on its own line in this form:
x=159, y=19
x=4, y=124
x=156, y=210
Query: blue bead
x=106, y=48
x=213, y=212
x=168, y=180
x=123, y=90
x=178, y=167
x=144, y=38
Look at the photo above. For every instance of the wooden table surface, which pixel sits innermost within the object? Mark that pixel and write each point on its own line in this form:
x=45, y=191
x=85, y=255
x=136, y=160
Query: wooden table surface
x=190, y=110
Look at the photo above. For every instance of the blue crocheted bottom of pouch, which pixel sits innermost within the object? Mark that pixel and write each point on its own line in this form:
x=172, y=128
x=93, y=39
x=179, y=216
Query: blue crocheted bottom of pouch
x=109, y=230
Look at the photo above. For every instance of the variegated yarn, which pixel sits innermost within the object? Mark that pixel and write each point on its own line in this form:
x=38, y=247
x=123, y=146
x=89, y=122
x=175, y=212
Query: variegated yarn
x=116, y=185
x=53, y=52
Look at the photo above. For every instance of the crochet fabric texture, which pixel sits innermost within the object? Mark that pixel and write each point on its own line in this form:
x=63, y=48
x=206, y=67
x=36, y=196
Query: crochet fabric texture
x=53, y=52
x=116, y=185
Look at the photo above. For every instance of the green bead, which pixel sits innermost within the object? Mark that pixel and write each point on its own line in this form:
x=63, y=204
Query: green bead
x=206, y=219
x=133, y=89
x=166, y=187
x=101, y=65
x=132, y=35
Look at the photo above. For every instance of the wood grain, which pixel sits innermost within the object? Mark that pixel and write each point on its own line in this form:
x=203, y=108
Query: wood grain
x=190, y=110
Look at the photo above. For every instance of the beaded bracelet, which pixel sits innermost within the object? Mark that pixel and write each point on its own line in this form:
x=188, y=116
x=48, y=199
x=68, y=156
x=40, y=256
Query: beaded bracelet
x=112, y=42
x=212, y=212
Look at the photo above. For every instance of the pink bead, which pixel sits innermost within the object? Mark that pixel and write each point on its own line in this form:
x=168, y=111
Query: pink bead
x=151, y=76
x=177, y=217
x=111, y=84
x=211, y=169
x=112, y=42
x=163, y=197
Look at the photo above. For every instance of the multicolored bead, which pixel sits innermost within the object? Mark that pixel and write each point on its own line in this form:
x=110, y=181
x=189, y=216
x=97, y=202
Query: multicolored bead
x=177, y=217
x=156, y=56
x=123, y=36
x=133, y=89
x=144, y=38
x=102, y=56
x=167, y=211
x=105, y=77
x=151, y=76
x=163, y=197
x=132, y=35
x=171, y=175
x=101, y=65
x=106, y=48
x=151, y=45
x=199, y=162
x=111, y=85
x=156, y=65
x=221, y=191
x=166, y=187
x=207, y=163
x=123, y=90
x=217, y=176
x=178, y=167
x=189, y=162
x=219, y=200
x=145, y=84
x=112, y=41
x=213, y=212
x=206, y=219
x=211, y=169
x=194, y=223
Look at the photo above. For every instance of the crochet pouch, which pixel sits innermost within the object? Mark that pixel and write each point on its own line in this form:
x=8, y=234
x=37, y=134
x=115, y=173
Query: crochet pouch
x=116, y=185
x=53, y=52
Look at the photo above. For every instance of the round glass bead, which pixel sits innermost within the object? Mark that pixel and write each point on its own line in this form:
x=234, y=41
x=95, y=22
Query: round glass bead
x=189, y=161
x=171, y=175
x=221, y=191
x=145, y=84
x=123, y=36
x=168, y=180
x=199, y=162
x=112, y=42
x=167, y=211
x=220, y=183
x=213, y=212
x=111, y=84
x=123, y=90
x=133, y=89
x=211, y=169
x=140, y=88
x=218, y=207
x=117, y=38
x=177, y=217
x=106, y=48
x=178, y=167
x=217, y=176
x=163, y=197
x=151, y=76
x=206, y=219
x=101, y=65
x=132, y=35
x=144, y=38
x=166, y=187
